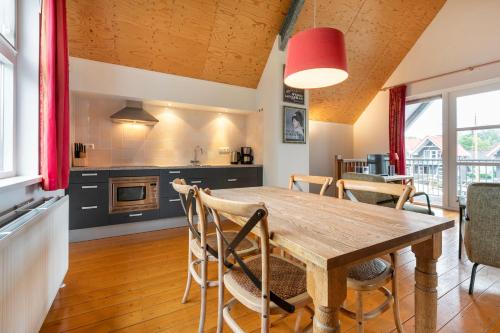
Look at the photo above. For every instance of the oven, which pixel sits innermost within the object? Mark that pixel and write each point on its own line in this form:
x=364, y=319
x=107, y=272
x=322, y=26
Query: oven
x=129, y=194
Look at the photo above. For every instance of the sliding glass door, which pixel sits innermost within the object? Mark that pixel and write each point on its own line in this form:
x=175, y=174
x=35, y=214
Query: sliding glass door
x=453, y=140
x=474, y=138
x=424, y=146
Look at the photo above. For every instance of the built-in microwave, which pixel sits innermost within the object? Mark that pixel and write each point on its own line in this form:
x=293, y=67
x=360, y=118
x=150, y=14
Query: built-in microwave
x=128, y=194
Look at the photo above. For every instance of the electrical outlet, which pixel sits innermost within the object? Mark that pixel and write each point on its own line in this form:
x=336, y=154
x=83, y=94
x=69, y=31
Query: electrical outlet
x=224, y=150
x=89, y=145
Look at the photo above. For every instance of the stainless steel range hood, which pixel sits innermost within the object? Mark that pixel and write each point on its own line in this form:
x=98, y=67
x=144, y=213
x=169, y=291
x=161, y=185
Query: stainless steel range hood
x=133, y=113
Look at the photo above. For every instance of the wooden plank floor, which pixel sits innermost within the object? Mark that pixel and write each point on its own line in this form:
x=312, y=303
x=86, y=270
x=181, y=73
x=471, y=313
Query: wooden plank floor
x=135, y=283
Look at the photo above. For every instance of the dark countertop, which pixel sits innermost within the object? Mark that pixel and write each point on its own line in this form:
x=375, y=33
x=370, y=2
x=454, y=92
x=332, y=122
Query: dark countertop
x=143, y=167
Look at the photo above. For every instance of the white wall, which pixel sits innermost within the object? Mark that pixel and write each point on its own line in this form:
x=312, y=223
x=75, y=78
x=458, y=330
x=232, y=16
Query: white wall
x=115, y=80
x=279, y=159
x=326, y=141
x=464, y=33
x=371, y=130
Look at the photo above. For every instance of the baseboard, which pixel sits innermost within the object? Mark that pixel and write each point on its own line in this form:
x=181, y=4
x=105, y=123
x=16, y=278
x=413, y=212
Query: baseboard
x=79, y=235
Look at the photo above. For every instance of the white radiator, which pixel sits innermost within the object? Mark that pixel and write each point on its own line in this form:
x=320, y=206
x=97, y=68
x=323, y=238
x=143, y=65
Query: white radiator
x=33, y=263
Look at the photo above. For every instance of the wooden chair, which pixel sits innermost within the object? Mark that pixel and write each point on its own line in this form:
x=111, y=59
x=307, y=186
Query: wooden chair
x=382, y=199
x=265, y=283
x=374, y=274
x=202, y=247
x=325, y=182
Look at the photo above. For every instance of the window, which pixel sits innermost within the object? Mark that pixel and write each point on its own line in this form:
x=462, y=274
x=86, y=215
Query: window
x=432, y=154
x=8, y=20
x=423, y=145
x=7, y=70
x=478, y=137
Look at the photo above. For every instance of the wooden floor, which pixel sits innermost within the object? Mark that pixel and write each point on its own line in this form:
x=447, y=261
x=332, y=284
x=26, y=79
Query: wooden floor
x=135, y=284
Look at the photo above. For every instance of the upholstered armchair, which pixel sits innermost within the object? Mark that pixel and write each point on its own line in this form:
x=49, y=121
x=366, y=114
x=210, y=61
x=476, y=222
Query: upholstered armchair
x=482, y=228
x=384, y=199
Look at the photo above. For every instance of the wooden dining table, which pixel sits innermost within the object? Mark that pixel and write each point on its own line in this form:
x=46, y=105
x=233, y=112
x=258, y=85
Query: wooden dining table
x=330, y=234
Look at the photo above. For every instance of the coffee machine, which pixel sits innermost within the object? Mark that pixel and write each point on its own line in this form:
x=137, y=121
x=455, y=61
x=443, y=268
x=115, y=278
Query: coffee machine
x=246, y=156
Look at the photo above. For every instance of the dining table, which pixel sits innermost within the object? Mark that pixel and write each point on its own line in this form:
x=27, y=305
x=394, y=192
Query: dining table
x=329, y=235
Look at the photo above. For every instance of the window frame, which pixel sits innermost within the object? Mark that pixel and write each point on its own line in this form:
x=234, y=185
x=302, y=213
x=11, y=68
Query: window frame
x=8, y=53
x=454, y=129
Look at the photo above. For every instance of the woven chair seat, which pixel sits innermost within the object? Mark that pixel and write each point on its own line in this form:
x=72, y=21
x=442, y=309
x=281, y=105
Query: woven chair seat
x=286, y=279
x=246, y=246
x=369, y=270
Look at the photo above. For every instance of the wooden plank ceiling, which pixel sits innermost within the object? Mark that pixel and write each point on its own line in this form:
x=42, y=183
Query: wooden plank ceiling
x=225, y=41
x=229, y=41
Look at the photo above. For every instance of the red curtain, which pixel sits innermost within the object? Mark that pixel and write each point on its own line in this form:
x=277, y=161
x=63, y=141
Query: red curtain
x=54, y=96
x=397, y=101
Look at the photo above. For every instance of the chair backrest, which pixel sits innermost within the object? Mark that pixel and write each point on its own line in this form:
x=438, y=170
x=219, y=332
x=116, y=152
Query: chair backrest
x=347, y=186
x=249, y=212
x=372, y=198
x=325, y=182
x=188, y=194
x=482, y=231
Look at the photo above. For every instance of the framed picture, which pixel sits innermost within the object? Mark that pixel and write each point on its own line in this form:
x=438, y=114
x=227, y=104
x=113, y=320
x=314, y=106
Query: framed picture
x=293, y=95
x=294, y=124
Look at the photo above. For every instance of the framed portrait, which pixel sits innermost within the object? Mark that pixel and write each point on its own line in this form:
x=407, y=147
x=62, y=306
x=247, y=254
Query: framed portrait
x=294, y=124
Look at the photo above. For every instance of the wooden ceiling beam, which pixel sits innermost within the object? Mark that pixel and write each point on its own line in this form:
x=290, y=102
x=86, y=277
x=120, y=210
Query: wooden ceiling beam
x=289, y=23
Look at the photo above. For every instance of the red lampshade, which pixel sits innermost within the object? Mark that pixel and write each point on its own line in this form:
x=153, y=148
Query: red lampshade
x=316, y=58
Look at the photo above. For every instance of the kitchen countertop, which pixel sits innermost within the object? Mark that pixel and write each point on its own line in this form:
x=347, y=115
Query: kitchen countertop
x=142, y=167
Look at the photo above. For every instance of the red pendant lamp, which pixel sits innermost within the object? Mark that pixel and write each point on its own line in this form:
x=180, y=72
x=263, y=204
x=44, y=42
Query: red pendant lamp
x=316, y=58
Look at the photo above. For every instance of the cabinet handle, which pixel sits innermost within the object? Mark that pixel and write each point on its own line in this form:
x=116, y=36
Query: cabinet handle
x=89, y=174
x=196, y=181
x=174, y=171
x=135, y=215
x=89, y=207
x=88, y=186
x=232, y=179
x=174, y=200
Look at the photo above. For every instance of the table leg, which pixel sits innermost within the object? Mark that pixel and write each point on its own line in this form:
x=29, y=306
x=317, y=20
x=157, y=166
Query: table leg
x=426, y=281
x=328, y=289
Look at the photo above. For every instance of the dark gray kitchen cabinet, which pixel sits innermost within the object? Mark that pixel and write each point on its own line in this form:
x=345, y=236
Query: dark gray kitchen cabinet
x=128, y=217
x=87, y=216
x=89, y=176
x=171, y=206
x=89, y=191
x=239, y=177
x=89, y=199
x=201, y=177
x=134, y=173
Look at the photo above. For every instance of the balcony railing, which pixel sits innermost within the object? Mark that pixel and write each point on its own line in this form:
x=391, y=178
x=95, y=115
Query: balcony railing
x=428, y=175
x=471, y=171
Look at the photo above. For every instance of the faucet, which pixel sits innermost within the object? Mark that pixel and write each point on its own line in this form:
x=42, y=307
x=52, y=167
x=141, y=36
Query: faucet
x=195, y=160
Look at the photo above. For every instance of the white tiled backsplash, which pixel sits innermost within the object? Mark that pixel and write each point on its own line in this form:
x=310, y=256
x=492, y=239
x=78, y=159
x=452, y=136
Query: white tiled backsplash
x=169, y=142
